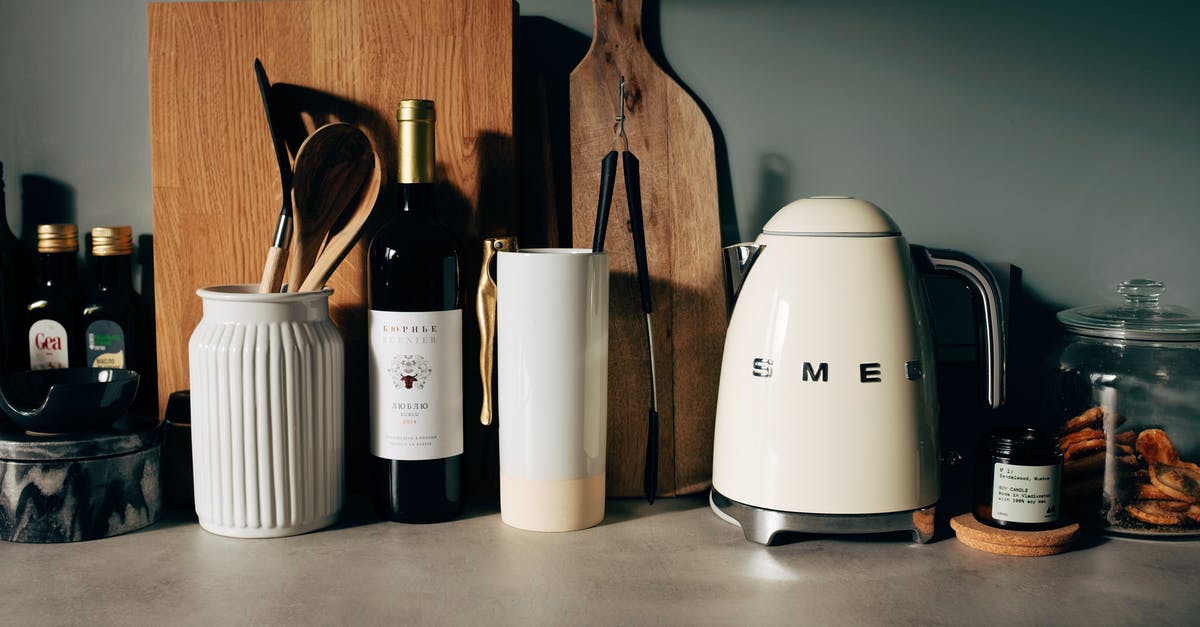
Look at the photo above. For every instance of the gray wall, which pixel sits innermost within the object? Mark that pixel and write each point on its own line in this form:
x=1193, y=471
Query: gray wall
x=1060, y=136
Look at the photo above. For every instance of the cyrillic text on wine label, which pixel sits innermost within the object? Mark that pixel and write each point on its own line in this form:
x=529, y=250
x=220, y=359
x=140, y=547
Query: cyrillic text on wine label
x=416, y=384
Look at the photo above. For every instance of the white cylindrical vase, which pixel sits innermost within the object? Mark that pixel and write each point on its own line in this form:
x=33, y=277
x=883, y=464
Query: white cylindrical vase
x=552, y=373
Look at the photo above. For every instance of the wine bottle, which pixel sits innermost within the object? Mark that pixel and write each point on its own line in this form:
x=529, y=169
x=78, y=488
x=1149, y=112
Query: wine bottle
x=108, y=311
x=52, y=313
x=415, y=335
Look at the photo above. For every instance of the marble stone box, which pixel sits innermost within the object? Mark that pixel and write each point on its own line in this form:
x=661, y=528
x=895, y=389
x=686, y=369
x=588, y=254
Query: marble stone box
x=68, y=488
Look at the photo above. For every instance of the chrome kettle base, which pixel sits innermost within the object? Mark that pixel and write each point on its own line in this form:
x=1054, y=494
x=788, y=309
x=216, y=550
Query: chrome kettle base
x=760, y=525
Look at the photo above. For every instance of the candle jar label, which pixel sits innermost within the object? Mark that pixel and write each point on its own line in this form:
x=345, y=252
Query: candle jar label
x=1025, y=494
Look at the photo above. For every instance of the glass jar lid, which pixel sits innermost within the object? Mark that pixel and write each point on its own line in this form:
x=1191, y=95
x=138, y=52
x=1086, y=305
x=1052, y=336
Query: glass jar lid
x=1140, y=317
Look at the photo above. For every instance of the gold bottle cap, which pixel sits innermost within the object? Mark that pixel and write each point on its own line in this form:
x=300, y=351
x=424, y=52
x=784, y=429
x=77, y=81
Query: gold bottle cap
x=415, y=142
x=109, y=241
x=57, y=238
x=415, y=111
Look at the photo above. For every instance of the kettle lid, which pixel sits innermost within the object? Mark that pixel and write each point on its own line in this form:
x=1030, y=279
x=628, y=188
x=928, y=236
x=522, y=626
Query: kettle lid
x=831, y=216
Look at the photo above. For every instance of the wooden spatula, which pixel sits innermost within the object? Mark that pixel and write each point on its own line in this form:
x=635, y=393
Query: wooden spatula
x=332, y=166
x=345, y=231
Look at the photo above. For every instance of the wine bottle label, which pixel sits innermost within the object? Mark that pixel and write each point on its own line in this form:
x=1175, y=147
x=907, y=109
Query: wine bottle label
x=416, y=384
x=1025, y=494
x=47, y=345
x=105, y=345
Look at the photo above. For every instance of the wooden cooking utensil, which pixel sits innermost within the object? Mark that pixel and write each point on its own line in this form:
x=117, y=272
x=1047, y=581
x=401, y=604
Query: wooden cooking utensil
x=345, y=231
x=277, y=253
x=673, y=140
x=332, y=166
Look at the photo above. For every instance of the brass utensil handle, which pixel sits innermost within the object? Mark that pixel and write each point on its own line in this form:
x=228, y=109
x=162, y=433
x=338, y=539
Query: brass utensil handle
x=485, y=311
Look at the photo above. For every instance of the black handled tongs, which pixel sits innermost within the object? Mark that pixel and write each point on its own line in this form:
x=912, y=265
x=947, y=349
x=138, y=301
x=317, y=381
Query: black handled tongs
x=633, y=197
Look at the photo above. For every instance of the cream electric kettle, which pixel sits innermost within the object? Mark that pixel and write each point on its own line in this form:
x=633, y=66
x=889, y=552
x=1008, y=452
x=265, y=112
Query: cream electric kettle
x=827, y=412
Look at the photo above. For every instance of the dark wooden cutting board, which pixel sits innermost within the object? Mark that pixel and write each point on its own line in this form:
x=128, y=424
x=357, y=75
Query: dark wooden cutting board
x=670, y=135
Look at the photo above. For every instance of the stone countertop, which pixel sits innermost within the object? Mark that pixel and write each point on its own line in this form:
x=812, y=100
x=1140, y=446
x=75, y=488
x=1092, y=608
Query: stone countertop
x=670, y=563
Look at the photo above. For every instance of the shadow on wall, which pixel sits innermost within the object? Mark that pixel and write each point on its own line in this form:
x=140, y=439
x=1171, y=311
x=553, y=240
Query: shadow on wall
x=774, y=187
x=546, y=53
x=44, y=201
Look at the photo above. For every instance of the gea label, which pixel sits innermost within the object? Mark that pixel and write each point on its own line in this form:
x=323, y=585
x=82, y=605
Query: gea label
x=47, y=345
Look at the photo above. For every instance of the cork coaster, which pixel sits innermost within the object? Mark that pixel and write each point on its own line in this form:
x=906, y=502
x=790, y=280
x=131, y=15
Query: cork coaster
x=977, y=535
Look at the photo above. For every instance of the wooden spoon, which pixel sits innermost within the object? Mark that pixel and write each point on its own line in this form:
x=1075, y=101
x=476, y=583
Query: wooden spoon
x=345, y=232
x=332, y=166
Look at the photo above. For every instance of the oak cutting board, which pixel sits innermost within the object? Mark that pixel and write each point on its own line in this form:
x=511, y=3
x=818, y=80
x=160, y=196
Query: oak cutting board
x=671, y=137
x=215, y=184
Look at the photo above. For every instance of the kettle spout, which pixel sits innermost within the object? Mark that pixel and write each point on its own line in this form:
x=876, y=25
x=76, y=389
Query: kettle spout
x=738, y=260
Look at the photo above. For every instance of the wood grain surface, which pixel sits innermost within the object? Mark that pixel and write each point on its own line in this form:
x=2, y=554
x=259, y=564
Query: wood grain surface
x=216, y=191
x=670, y=135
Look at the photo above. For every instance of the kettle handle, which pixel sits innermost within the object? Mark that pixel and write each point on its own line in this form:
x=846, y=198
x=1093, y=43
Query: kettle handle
x=737, y=262
x=983, y=283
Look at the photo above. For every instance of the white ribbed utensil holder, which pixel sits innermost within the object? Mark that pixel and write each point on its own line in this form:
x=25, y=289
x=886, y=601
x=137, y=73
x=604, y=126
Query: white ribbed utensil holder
x=266, y=376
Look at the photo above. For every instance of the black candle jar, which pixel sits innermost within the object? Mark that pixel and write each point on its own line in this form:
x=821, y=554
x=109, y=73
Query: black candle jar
x=1017, y=480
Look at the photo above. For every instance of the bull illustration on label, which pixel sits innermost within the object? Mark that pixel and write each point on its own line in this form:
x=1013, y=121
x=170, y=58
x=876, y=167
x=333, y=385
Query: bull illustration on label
x=410, y=371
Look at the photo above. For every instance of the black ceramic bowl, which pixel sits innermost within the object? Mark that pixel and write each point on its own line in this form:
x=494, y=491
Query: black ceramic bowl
x=67, y=400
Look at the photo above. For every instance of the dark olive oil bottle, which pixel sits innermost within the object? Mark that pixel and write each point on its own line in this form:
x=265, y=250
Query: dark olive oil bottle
x=51, y=317
x=108, y=319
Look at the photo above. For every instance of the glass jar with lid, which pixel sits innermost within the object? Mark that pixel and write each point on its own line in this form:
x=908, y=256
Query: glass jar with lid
x=1129, y=378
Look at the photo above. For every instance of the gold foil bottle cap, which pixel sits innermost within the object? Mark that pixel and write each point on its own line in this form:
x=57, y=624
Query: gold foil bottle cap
x=109, y=241
x=57, y=238
x=415, y=111
x=415, y=141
